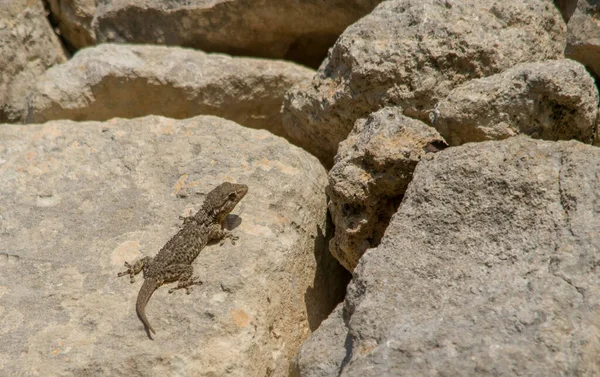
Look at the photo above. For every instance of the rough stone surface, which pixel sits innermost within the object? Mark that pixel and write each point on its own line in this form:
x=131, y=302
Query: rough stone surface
x=373, y=167
x=294, y=30
x=129, y=81
x=412, y=53
x=489, y=268
x=552, y=100
x=79, y=199
x=583, y=35
x=27, y=47
x=322, y=355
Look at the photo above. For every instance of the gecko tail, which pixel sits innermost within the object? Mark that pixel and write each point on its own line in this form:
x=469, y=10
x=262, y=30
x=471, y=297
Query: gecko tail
x=146, y=292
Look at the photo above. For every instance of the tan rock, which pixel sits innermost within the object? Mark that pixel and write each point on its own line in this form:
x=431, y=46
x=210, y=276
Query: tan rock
x=28, y=46
x=551, y=100
x=489, y=268
x=373, y=167
x=300, y=31
x=82, y=198
x=583, y=35
x=74, y=20
x=411, y=53
x=129, y=81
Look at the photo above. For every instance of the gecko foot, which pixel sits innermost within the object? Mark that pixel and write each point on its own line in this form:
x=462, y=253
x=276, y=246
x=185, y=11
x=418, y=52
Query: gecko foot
x=134, y=269
x=187, y=285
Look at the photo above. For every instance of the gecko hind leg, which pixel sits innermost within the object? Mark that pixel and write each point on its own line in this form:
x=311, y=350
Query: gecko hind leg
x=183, y=274
x=134, y=268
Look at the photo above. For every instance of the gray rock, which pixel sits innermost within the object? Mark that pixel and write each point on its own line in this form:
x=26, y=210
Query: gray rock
x=300, y=31
x=129, y=81
x=489, y=268
x=79, y=199
x=583, y=35
x=551, y=100
x=322, y=355
x=28, y=46
x=412, y=53
x=373, y=167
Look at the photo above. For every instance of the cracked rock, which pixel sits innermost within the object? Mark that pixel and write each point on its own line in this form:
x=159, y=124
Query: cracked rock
x=411, y=53
x=489, y=268
x=374, y=165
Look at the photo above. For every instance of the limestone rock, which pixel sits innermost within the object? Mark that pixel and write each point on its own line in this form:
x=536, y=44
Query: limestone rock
x=28, y=46
x=82, y=198
x=374, y=165
x=300, y=31
x=552, y=100
x=129, y=81
x=412, y=53
x=583, y=35
x=489, y=268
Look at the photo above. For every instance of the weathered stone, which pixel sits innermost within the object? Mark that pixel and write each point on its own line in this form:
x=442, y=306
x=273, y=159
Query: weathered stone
x=412, y=53
x=551, y=100
x=373, y=167
x=74, y=20
x=489, y=268
x=27, y=47
x=129, y=81
x=322, y=355
x=300, y=31
x=583, y=35
x=79, y=199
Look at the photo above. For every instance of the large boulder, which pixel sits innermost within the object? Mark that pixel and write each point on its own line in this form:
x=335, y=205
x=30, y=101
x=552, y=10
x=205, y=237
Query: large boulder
x=129, y=81
x=489, y=268
x=294, y=30
x=373, y=167
x=551, y=100
x=412, y=53
x=80, y=199
x=28, y=46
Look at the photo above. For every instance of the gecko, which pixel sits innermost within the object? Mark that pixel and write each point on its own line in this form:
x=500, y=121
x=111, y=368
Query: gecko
x=173, y=263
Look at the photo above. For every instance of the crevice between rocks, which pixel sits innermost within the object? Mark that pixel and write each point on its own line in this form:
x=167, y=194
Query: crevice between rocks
x=67, y=47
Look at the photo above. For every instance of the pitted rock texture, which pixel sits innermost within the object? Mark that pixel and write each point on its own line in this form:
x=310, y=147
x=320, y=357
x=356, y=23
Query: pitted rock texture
x=79, y=199
x=295, y=30
x=412, y=53
x=489, y=268
x=374, y=165
x=129, y=81
x=28, y=46
x=551, y=100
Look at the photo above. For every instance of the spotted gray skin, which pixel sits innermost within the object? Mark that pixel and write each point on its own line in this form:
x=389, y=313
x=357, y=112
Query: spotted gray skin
x=174, y=261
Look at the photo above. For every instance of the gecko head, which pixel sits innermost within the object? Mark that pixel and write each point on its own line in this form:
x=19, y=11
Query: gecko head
x=223, y=199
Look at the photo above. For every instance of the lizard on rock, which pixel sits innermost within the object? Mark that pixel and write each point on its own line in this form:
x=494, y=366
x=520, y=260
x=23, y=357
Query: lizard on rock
x=174, y=261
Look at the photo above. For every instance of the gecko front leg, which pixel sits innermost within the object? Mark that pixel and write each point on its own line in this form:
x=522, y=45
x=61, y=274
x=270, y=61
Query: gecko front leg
x=135, y=268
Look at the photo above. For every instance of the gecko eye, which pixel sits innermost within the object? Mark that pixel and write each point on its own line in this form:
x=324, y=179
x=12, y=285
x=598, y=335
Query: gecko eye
x=232, y=196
